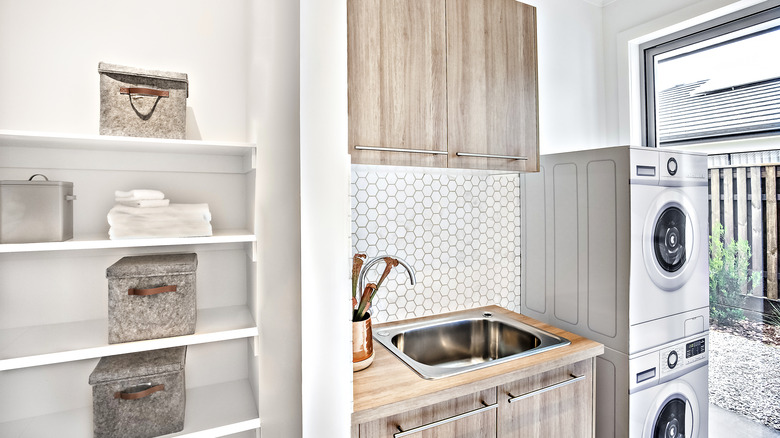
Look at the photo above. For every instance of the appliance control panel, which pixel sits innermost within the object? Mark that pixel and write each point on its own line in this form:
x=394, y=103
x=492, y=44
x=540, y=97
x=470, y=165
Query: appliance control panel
x=679, y=168
x=667, y=362
x=680, y=356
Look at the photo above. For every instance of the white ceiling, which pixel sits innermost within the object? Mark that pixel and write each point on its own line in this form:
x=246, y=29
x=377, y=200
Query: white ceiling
x=600, y=3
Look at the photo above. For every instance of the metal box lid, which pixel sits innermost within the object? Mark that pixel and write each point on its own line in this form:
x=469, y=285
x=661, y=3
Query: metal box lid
x=132, y=365
x=31, y=183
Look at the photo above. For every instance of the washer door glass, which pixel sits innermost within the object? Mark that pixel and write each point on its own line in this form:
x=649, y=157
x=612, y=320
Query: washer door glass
x=671, y=420
x=669, y=239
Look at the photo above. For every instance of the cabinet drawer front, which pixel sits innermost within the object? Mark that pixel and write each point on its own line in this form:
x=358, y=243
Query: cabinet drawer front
x=555, y=403
x=482, y=424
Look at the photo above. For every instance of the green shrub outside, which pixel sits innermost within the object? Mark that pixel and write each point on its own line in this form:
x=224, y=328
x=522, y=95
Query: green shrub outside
x=728, y=276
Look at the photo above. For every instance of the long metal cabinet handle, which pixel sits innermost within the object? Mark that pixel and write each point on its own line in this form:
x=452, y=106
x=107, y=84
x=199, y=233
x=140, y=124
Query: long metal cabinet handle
x=403, y=433
x=414, y=151
x=546, y=388
x=505, y=157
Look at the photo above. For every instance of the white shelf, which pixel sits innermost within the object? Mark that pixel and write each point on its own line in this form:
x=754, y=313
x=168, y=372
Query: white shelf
x=23, y=149
x=211, y=411
x=102, y=242
x=56, y=343
x=29, y=139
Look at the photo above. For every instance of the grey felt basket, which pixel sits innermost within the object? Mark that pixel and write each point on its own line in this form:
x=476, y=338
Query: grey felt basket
x=139, y=395
x=142, y=103
x=152, y=296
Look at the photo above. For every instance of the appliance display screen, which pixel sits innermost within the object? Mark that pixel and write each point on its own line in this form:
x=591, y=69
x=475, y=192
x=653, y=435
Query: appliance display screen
x=694, y=348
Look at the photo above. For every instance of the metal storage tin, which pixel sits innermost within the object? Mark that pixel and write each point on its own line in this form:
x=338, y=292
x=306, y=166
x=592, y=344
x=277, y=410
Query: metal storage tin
x=36, y=211
x=139, y=395
x=151, y=297
x=142, y=103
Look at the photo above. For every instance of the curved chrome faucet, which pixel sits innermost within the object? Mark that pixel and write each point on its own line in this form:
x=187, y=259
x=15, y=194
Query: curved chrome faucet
x=367, y=266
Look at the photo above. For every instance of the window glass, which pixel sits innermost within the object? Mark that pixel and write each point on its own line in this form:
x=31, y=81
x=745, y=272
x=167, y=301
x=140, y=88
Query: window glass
x=718, y=84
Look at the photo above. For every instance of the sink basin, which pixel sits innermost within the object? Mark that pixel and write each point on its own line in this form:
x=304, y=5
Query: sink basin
x=454, y=344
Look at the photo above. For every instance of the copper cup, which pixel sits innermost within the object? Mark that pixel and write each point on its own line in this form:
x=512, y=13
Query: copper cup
x=362, y=344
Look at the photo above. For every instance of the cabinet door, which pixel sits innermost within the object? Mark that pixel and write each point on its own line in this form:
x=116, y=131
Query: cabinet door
x=467, y=425
x=551, y=404
x=397, y=78
x=492, y=84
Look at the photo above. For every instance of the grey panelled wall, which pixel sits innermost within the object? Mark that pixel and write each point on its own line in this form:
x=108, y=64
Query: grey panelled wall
x=460, y=230
x=602, y=248
x=565, y=220
x=575, y=238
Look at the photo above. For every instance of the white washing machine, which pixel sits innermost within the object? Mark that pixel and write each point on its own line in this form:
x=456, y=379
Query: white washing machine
x=669, y=276
x=615, y=248
x=669, y=396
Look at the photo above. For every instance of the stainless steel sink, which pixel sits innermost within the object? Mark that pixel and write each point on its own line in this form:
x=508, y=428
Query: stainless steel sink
x=455, y=344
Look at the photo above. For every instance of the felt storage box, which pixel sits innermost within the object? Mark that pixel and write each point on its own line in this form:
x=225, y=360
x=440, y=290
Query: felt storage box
x=139, y=395
x=142, y=103
x=36, y=211
x=151, y=296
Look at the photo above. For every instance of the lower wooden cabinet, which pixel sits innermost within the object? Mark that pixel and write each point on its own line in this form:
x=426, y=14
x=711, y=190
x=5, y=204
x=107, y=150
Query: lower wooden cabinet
x=557, y=403
x=470, y=416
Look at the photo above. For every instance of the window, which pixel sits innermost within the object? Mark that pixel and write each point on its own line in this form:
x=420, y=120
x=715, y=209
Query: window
x=717, y=81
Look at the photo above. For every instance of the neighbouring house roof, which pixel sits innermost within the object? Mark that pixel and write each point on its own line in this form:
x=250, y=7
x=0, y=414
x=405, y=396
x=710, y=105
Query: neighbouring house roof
x=684, y=113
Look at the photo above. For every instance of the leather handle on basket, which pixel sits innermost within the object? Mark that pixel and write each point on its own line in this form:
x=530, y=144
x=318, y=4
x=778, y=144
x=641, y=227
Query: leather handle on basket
x=154, y=291
x=145, y=91
x=140, y=394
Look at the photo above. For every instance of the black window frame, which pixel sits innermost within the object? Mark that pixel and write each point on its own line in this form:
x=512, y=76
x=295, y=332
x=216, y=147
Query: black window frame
x=742, y=19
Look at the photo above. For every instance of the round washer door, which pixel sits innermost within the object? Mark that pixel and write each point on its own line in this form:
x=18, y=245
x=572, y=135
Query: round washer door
x=674, y=413
x=671, y=240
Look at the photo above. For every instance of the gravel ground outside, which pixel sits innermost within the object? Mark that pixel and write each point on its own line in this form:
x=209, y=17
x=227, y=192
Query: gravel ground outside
x=745, y=377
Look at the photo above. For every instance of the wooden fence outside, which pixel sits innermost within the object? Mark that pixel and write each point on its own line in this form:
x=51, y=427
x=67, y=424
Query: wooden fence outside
x=744, y=199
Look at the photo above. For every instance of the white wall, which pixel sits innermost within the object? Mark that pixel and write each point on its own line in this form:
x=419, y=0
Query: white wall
x=48, y=75
x=325, y=258
x=274, y=123
x=628, y=23
x=571, y=89
x=585, y=84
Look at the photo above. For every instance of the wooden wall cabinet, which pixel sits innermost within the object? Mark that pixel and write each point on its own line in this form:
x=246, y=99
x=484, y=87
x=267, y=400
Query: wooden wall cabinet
x=397, y=82
x=492, y=85
x=443, y=83
x=556, y=403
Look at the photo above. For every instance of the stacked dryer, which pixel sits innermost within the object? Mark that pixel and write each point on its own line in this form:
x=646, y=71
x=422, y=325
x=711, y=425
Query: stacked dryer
x=615, y=248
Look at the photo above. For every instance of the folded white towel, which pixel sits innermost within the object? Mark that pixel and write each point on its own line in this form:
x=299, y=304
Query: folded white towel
x=141, y=231
x=175, y=220
x=138, y=194
x=146, y=203
x=173, y=212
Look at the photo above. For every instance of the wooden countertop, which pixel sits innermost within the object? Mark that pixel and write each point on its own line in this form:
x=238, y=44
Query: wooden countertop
x=389, y=386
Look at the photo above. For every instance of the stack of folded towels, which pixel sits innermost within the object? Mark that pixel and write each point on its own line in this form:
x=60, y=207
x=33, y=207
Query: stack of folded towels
x=146, y=213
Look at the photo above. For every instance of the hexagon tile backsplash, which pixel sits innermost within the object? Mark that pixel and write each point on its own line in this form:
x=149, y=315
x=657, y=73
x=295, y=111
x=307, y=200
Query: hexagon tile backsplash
x=460, y=230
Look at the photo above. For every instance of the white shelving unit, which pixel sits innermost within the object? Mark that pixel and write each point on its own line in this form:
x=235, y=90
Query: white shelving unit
x=56, y=343
x=68, y=333
x=100, y=242
x=206, y=412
